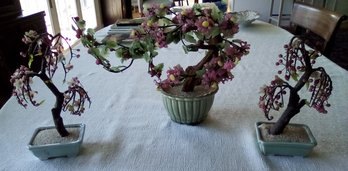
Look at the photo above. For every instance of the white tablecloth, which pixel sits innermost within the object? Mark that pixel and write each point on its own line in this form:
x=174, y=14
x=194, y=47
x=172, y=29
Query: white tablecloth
x=127, y=127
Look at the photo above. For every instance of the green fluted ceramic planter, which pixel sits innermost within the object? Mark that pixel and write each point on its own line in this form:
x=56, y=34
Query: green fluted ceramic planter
x=284, y=148
x=188, y=109
x=64, y=149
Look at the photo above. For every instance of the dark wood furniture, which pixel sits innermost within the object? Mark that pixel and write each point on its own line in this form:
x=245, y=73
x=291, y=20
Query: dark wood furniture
x=316, y=21
x=11, y=32
x=9, y=9
x=115, y=9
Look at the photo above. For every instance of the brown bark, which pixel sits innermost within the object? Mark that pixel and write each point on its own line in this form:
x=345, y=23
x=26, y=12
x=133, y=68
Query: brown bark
x=56, y=110
x=292, y=109
x=295, y=103
x=191, y=80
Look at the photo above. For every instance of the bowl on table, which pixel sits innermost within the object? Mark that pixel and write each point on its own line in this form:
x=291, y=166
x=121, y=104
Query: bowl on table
x=245, y=18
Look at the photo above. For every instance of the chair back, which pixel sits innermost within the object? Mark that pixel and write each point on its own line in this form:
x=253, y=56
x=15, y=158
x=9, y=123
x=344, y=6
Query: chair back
x=320, y=21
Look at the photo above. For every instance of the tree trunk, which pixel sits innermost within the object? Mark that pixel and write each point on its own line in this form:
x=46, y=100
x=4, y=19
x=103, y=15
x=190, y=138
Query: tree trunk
x=292, y=109
x=58, y=121
x=191, y=80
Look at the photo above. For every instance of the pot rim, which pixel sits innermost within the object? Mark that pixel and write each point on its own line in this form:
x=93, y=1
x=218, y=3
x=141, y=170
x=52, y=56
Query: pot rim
x=212, y=91
x=37, y=130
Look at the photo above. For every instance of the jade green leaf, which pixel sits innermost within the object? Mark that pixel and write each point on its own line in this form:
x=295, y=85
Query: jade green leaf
x=90, y=31
x=294, y=76
x=199, y=35
x=110, y=44
x=41, y=102
x=31, y=59
x=215, y=31
x=104, y=50
x=137, y=49
x=147, y=57
x=153, y=53
x=95, y=51
x=216, y=14
x=190, y=38
x=159, y=67
x=200, y=73
x=116, y=68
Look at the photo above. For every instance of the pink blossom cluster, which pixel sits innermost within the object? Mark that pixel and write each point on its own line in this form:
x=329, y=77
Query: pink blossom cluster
x=21, y=82
x=298, y=64
x=49, y=51
x=272, y=96
x=75, y=97
x=174, y=77
x=217, y=71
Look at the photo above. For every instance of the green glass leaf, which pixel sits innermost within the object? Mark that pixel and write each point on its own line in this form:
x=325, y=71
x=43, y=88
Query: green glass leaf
x=190, y=38
x=81, y=24
x=90, y=31
x=31, y=59
x=95, y=51
x=216, y=14
x=138, y=49
x=169, y=37
x=199, y=35
x=110, y=44
x=41, y=102
x=116, y=68
x=176, y=37
x=86, y=42
x=200, y=73
x=307, y=102
x=294, y=76
x=105, y=51
x=159, y=67
x=153, y=54
x=215, y=31
x=147, y=57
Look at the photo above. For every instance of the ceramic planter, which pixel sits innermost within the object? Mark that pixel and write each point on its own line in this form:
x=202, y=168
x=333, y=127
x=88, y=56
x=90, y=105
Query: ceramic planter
x=66, y=149
x=188, y=110
x=286, y=148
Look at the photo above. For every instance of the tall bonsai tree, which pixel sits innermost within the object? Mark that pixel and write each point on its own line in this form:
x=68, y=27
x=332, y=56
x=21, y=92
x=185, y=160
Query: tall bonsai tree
x=297, y=65
x=196, y=28
x=48, y=50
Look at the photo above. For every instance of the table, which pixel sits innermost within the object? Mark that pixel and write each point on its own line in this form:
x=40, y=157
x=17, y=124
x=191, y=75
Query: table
x=127, y=127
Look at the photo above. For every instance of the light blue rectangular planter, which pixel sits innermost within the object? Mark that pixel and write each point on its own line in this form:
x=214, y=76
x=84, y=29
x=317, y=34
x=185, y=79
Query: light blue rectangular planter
x=286, y=148
x=48, y=151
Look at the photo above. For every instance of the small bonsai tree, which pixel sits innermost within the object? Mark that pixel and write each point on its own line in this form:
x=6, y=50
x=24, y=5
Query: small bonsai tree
x=196, y=28
x=296, y=60
x=48, y=50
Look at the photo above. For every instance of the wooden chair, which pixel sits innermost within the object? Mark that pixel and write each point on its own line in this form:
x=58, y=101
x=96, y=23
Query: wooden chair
x=318, y=22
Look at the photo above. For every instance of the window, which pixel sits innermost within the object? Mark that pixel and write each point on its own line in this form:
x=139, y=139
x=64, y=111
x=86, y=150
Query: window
x=59, y=13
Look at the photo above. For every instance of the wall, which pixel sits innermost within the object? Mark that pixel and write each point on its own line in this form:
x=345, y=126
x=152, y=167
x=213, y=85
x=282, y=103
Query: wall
x=342, y=6
x=263, y=6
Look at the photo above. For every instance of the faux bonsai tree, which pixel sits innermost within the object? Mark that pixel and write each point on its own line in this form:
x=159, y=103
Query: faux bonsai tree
x=297, y=64
x=48, y=51
x=196, y=28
